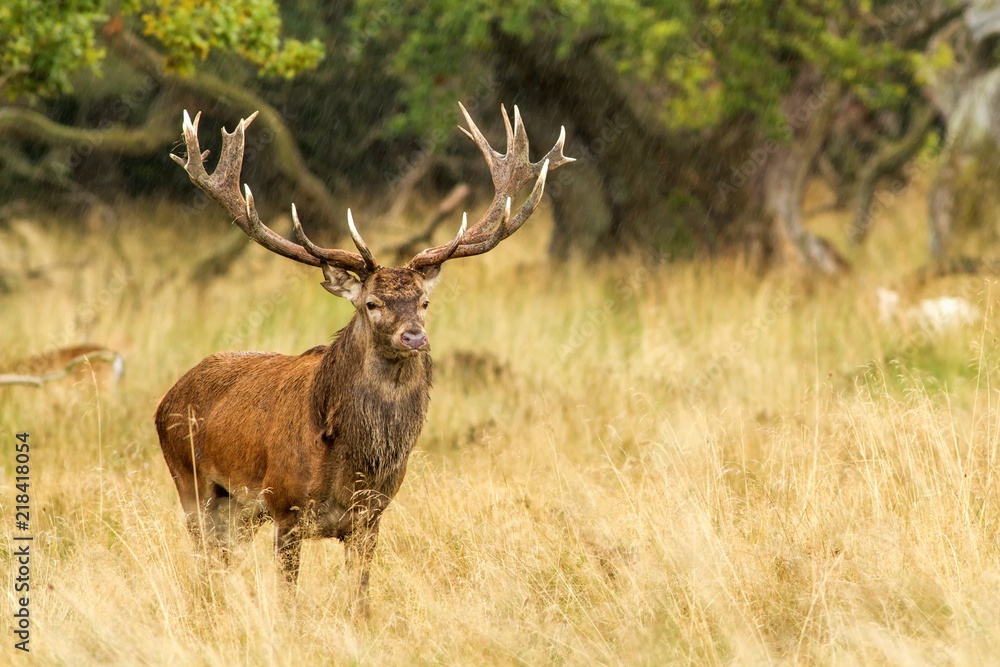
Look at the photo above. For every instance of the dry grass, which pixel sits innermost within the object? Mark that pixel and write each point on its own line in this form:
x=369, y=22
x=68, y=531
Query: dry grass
x=628, y=464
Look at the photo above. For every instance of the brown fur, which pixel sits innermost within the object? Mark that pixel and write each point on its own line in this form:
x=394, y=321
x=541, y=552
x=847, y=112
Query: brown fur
x=317, y=442
x=85, y=364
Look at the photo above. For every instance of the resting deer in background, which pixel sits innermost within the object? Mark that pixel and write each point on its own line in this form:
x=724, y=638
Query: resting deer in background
x=319, y=442
x=88, y=364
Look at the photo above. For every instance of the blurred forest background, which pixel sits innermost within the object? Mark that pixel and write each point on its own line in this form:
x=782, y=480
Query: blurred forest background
x=698, y=124
x=674, y=420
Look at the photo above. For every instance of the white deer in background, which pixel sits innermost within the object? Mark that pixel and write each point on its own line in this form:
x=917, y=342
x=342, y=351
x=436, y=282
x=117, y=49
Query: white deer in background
x=936, y=315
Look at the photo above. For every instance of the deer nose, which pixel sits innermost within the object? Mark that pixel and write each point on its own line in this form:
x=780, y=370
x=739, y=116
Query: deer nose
x=414, y=340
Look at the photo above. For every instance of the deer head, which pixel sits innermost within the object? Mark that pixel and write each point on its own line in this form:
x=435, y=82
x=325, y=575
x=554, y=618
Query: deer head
x=392, y=306
x=391, y=303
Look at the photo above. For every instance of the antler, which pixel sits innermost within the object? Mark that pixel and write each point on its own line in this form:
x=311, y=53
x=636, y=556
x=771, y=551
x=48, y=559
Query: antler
x=223, y=186
x=511, y=172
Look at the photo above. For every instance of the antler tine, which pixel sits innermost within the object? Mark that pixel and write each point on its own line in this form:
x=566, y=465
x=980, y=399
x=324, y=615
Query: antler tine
x=473, y=133
x=439, y=254
x=253, y=220
x=520, y=138
x=195, y=157
x=555, y=156
x=502, y=231
x=507, y=225
x=345, y=259
x=223, y=186
x=360, y=243
x=510, y=172
x=506, y=125
x=301, y=235
x=450, y=248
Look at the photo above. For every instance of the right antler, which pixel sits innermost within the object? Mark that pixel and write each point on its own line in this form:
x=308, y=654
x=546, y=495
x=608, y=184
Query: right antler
x=511, y=172
x=223, y=186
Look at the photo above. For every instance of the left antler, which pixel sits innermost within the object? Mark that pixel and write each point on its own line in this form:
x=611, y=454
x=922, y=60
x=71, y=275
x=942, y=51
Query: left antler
x=511, y=172
x=223, y=185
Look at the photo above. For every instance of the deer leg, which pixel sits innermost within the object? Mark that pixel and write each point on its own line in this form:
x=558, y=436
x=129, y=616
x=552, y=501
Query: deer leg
x=288, y=546
x=251, y=518
x=198, y=499
x=359, y=549
x=222, y=520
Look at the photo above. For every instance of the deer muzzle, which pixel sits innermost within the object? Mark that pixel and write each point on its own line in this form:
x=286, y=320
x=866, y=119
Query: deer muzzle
x=414, y=339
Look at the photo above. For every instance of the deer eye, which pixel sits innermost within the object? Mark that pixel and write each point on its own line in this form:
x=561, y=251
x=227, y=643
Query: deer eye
x=371, y=305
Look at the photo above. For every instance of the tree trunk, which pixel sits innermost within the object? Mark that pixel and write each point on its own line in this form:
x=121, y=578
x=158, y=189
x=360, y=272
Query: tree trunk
x=890, y=159
x=619, y=153
x=809, y=110
x=638, y=184
x=941, y=202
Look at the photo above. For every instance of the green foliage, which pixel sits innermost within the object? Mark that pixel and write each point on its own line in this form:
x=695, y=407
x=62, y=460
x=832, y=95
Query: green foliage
x=696, y=61
x=191, y=29
x=44, y=44
x=931, y=365
x=836, y=43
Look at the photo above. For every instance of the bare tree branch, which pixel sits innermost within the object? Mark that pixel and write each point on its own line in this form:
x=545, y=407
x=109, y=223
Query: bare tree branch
x=26, y=123
x=889, y=159
x=311, y=193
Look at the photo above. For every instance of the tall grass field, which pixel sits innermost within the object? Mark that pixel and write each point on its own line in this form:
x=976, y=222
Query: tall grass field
x=631, y=462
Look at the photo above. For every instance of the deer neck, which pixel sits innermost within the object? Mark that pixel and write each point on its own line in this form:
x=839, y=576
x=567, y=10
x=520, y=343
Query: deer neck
x=356, y=386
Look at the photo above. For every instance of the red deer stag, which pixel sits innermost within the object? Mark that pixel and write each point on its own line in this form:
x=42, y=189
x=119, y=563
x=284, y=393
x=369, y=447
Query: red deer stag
x=319, y=442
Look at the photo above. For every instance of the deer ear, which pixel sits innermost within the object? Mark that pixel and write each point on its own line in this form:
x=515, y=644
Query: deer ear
x=342, y=283
x=431, y=274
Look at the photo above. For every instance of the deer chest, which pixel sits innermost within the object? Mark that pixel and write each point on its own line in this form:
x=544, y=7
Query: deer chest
x=376, y=438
